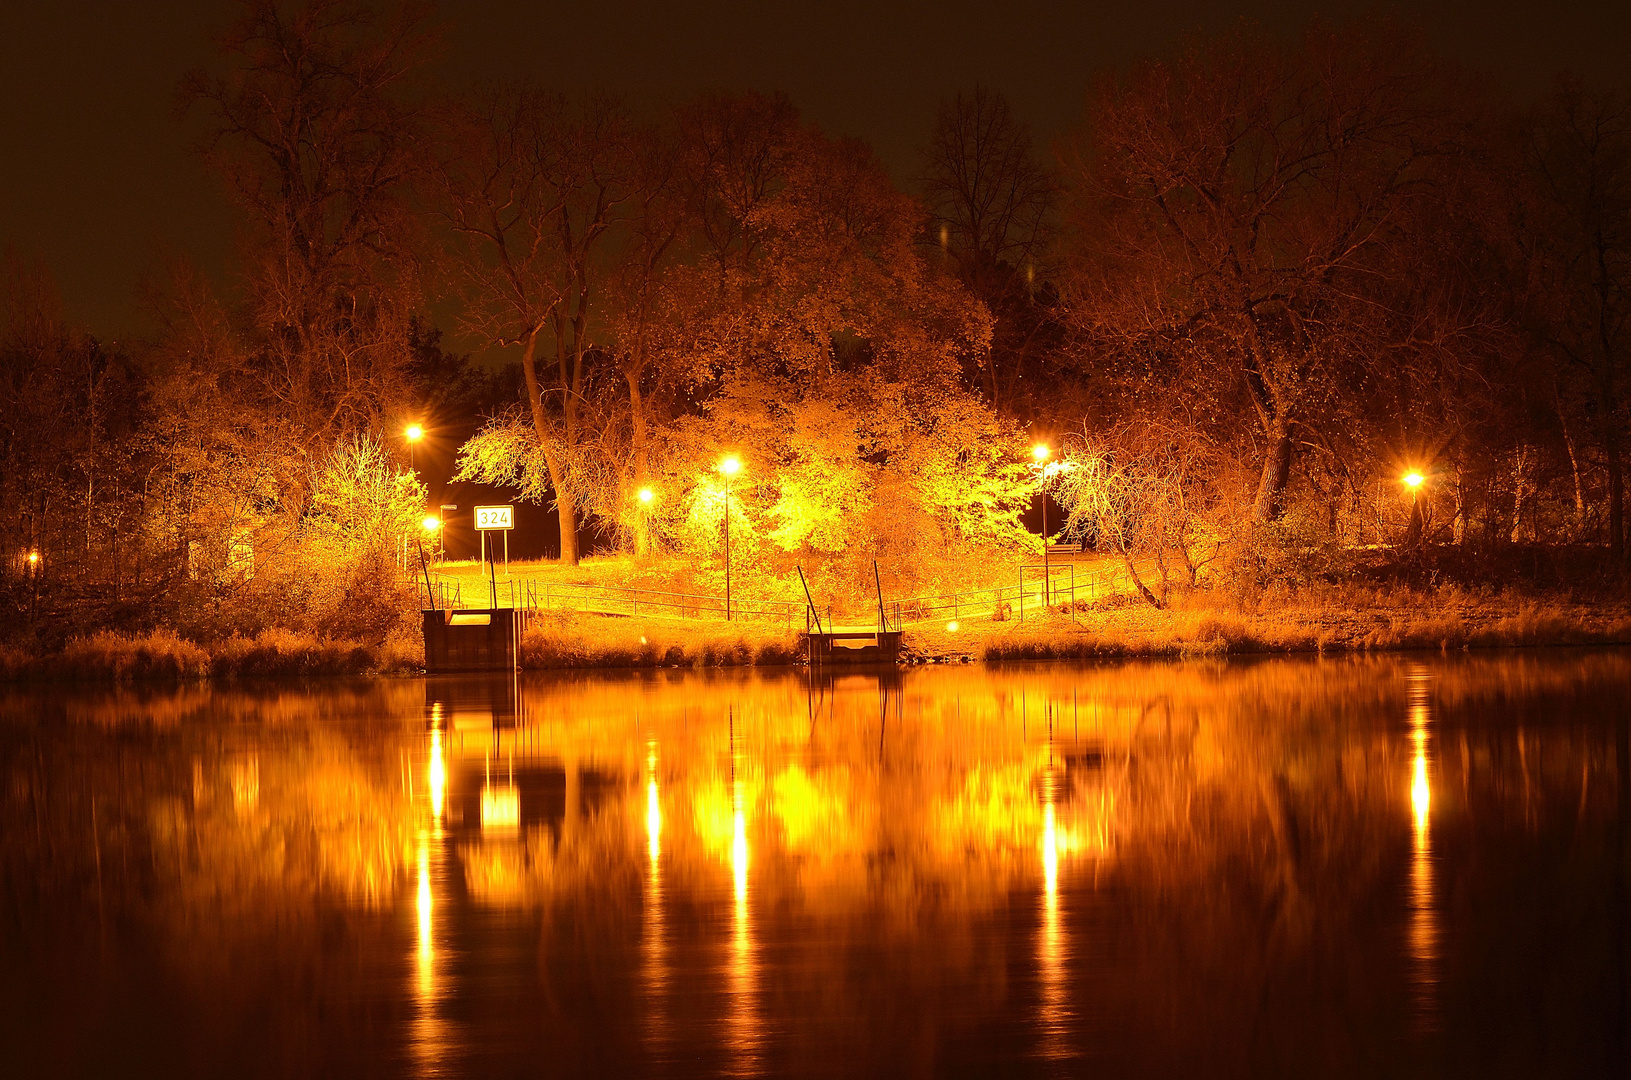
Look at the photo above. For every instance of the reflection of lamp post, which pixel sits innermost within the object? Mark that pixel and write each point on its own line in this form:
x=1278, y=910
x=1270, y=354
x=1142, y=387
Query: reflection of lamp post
x=1413, y=481
x=730, y=467
x=1040, y=452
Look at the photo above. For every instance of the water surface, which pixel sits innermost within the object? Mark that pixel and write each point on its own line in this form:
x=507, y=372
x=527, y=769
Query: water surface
x=1351, y=867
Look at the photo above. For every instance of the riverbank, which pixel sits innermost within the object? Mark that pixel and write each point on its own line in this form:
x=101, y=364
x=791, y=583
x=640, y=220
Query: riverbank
x=1303, y=626
x=165, y=656
x=1201, y=624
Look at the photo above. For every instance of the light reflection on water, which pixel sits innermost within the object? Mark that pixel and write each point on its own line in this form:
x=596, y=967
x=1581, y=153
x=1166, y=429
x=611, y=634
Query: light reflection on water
x=1160, y=869
x=1423, y=912
x=429, y=1040
x=742, y=1032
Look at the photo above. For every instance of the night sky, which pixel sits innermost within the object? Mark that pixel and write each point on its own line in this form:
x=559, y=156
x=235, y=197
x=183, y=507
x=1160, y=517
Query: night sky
x=98, y=178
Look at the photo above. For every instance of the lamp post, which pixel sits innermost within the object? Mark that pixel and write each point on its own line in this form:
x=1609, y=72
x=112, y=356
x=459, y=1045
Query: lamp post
x=413, y=434
x=730, y=466
x=1040, y=452
x=1413, y=480
x=643, y=543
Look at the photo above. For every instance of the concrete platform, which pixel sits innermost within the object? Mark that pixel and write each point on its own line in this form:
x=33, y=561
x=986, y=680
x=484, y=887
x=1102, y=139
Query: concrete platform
x=852, y=645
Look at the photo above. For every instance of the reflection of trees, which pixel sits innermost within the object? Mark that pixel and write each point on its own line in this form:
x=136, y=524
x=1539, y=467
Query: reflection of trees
x=239, y=803
x=1223, y=838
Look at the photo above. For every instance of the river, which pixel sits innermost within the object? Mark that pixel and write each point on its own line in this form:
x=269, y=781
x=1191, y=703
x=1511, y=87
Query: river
x=1389, y=866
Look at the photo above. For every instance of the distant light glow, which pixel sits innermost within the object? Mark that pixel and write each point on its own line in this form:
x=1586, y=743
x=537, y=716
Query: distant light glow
x=431, y=523
x=731, y=465
x=1041, y=451
x=645, y=495
x=414, y=433
x=33, y=558
x=1413, y=479
x=952, y=626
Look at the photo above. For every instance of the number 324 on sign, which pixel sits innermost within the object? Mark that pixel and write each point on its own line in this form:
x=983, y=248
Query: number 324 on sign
x=495, y=517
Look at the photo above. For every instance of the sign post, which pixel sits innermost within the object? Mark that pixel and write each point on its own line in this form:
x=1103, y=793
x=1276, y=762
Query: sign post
x=495, y=518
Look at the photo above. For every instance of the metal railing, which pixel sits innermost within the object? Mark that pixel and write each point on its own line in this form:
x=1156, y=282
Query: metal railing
x=1062, y=589
x=530, y=594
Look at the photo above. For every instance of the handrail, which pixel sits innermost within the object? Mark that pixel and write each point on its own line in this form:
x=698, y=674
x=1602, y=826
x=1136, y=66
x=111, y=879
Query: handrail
x=539, y=595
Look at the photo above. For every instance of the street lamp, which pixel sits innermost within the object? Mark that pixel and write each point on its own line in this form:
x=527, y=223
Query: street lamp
x=413, y=435
x=730, y=466
x=1413, y=480
x=1040, y=452
x=642, y=521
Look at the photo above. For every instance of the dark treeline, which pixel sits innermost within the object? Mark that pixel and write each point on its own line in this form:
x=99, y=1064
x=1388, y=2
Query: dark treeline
x=1262, y=280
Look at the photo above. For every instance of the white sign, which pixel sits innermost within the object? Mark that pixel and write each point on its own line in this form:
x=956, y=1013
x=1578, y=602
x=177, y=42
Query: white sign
x=495, y=517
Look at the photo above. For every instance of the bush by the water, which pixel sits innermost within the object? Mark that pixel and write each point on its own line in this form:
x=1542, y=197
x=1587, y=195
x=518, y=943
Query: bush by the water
x=167, y=656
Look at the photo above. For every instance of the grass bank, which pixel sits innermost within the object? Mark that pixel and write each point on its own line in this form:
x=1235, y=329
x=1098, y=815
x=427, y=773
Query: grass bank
x=561, y=640
x=1330, y=620
x=1204, y=623
x=162, y=655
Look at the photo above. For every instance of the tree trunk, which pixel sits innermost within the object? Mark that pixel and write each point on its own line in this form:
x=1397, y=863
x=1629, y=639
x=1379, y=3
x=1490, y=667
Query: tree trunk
x=564, y=503
x=1276, y=472
x=1520, y=486
x=1616, y=499
x=1458, y=528
x=1574, y=463
x=637, y=436
x=1608, y=411
x=1143, y=589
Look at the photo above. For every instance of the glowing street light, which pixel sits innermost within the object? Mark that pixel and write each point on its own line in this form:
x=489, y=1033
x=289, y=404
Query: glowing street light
x=730, y=466
x=1041, y=451
x=1413, y=480
x=33, y=558
x=431, y=523
x=645, y=495
x=413, y=434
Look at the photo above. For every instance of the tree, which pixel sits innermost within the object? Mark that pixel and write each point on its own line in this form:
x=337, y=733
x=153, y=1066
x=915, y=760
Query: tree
x=1232, y=207
x=313, y=133
x=1147, y=492
x=536, y=189
x=72, y=451
x=991, y=206
x=1581, y=152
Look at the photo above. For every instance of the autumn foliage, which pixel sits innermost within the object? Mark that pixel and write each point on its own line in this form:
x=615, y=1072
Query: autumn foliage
x=1261, y=279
